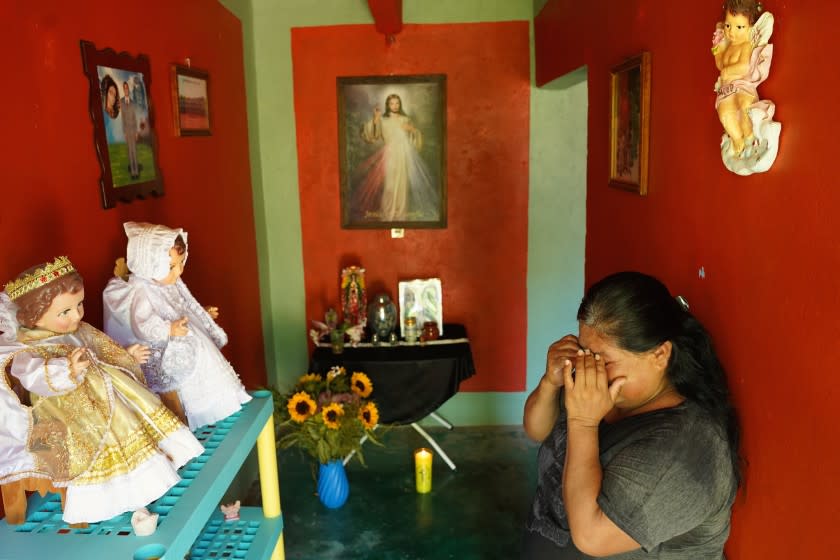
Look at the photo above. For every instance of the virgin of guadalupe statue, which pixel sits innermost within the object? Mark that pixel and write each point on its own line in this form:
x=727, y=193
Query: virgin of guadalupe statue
x=353, y=295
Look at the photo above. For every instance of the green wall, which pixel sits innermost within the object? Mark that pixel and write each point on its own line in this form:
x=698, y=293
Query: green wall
x=557, y=207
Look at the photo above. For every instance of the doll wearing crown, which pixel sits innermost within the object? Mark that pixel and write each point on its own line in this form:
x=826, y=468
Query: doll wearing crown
x=91, y=426
x=155, y=308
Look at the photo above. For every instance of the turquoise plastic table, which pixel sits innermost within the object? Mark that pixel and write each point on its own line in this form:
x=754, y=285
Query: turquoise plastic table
x=189, y=518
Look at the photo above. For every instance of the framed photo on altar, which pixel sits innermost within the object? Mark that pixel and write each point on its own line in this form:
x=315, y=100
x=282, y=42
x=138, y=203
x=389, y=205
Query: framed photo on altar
x=422, y=299
x=120, y=107
x=630, y=124
x=392, y=151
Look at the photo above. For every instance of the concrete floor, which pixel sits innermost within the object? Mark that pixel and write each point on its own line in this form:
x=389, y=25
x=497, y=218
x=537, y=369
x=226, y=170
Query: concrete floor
x=476, y=512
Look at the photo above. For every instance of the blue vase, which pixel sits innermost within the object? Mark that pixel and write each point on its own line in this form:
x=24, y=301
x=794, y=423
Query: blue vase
x=333, y=487
x=382, y=316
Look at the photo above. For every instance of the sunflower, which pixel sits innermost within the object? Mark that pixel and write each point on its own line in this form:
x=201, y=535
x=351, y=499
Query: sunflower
x=331, y=414
x=301, y=406
x=360, y=384
x=369, y=415
x=309, y=377
x=334, y=372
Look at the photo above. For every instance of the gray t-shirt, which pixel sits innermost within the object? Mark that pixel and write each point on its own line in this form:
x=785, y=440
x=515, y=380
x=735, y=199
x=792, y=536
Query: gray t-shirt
x=668, y=483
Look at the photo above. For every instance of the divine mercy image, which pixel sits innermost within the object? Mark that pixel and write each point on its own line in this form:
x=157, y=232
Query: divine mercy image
x=393, y=154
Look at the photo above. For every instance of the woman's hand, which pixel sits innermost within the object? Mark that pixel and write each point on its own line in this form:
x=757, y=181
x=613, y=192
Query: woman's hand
x=542, y=408
x=589, y=395
x=559, y=353
x=139, y=352
x=213, y=311
x=78, y=363
x=179, y=327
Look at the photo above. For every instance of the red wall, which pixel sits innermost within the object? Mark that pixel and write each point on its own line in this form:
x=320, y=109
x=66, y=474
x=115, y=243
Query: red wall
x=481, y=256
x=767, y=242
x=50, y=173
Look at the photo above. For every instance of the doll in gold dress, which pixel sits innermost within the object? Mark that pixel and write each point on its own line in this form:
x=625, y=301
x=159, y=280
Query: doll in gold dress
x=91, y=426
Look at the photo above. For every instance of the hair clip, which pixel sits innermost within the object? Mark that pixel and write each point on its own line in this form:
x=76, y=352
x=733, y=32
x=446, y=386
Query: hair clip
x=683, y=303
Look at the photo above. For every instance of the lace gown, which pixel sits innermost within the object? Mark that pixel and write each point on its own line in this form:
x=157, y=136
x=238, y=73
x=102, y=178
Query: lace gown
x=141, y=311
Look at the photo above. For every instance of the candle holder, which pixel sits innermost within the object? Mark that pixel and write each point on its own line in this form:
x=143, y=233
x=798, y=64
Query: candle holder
x=423, y=470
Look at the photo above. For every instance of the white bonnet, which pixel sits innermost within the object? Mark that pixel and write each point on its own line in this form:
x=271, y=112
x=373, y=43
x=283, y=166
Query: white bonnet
x=147, y=254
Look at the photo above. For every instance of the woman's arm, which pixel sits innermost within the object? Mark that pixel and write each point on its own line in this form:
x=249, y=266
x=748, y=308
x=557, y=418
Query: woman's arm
x=589, y=397
x=543, y=405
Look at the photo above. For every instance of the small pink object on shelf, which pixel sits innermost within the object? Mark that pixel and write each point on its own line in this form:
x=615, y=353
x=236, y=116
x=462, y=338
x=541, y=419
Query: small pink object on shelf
x=231, y=511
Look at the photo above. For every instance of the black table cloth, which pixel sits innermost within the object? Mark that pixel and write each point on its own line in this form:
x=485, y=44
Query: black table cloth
x=409, y=381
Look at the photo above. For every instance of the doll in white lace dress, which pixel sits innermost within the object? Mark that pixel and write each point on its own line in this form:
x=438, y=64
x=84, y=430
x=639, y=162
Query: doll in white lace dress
x=155, y=308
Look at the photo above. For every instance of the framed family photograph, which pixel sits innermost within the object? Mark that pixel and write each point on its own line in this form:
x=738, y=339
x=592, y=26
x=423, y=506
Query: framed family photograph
x=392, y=151
x=190, y=101
x=630, y=124
x=123, y=124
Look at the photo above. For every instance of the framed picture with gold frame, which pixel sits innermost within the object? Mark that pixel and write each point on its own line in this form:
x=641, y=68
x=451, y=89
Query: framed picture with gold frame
x=630, y=124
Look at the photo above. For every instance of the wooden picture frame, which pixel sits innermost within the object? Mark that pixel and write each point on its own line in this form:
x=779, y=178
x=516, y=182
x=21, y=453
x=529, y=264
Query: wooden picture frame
x=630, y=124
x=409, y=114
x=191, y=101
x=120, y=98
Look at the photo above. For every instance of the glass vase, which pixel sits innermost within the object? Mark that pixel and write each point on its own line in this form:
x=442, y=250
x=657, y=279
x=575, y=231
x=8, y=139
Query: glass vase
x=382, y=317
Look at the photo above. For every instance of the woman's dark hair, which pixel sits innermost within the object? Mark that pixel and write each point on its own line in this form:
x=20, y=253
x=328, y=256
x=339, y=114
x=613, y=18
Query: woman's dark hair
x=32, y=305
x=638, y=313
x=749, y=8
x=388, y=107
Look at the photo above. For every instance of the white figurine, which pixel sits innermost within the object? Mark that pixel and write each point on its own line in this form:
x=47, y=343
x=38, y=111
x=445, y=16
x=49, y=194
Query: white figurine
x=155, y=308
x=231, y=511
x=144, y=522
x=743, y=54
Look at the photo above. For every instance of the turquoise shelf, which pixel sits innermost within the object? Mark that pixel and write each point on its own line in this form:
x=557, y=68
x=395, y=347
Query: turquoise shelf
x=189, y=519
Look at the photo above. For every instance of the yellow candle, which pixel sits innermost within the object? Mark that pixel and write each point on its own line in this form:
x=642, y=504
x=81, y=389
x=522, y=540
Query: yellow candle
x=423, y=470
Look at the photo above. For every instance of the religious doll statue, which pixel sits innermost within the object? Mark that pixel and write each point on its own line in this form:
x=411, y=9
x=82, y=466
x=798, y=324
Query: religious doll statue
x=742, y=55
x=90, y=425
x=155, y=308
x=353, y=295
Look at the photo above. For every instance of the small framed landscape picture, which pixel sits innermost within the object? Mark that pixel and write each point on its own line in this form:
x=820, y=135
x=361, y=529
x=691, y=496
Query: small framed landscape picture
x=191, y=101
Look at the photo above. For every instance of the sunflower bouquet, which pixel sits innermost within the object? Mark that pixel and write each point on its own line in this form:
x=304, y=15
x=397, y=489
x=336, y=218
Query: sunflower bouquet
x=327, y=416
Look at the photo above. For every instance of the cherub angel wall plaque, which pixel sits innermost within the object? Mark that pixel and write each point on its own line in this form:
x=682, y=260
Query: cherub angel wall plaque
x=743, y=54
